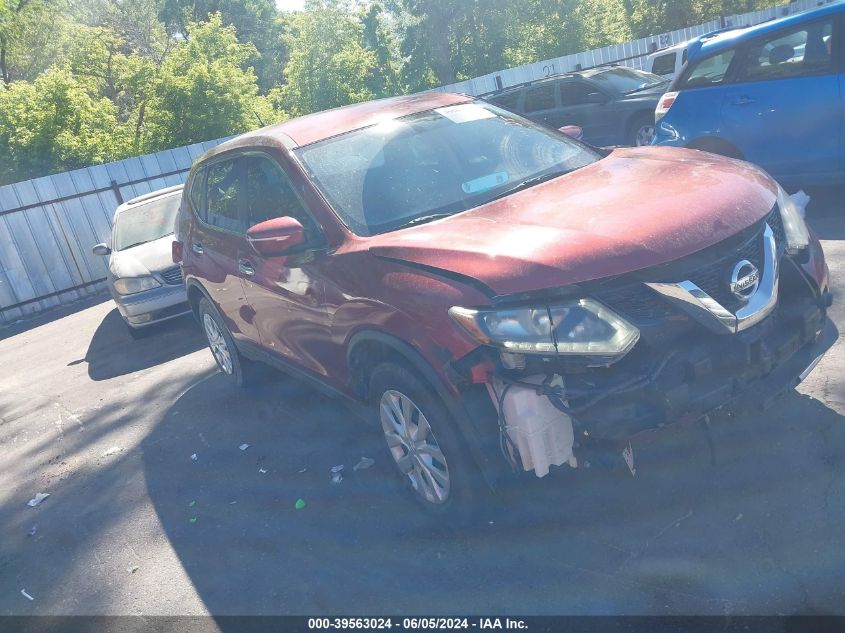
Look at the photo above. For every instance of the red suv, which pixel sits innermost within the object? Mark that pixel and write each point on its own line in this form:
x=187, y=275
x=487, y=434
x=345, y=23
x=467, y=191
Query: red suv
x=498, y=296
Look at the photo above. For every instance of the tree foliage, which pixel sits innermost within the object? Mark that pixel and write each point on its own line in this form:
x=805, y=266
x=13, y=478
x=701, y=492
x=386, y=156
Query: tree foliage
x=87, y=81
x=205, y=89
x=54, y=124
x=328, y=65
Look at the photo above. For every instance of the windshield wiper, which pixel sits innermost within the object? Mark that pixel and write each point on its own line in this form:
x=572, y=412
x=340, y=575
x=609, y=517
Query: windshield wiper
x=135, y=244
x=650, y=86
x=425, y=218
x=528, y=182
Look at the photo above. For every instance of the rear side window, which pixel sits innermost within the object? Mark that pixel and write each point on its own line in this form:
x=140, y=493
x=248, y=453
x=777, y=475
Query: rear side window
x=540, y=98
x=800, y=52
x=222, y=191
x=508, y=101
x=710, y=71
x=664, y=64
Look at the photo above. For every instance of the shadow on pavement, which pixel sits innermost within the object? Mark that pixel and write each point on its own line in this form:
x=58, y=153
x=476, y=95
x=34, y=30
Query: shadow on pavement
x=756, y=531
x=113, y=352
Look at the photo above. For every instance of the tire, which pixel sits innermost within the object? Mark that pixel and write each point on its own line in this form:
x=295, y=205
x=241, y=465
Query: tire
x=137, y=333
x=437, y=470
x=242, y=371
x=642, y=130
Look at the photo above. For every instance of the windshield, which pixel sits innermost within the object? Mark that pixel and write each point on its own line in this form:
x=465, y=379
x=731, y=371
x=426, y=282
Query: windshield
x=434, y=163
x=627, y=80
x=146, y=222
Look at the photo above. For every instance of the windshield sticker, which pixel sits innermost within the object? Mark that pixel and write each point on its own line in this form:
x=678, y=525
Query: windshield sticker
x=465, y=112
x=484, y=183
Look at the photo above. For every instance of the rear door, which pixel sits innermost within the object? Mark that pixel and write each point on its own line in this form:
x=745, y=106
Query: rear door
x=784, y=111
x=216, y=239
x=285, y=292
x=541, y=103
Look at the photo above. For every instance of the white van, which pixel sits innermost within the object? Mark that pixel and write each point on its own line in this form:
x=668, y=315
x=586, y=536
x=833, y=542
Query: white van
x=667, y=62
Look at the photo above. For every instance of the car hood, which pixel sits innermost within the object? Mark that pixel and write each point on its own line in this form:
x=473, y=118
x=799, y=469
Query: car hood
x=634, y=209
x=143, y=259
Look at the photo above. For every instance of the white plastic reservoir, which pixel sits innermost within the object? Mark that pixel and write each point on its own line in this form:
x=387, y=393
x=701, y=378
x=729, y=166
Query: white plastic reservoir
x=542, y=434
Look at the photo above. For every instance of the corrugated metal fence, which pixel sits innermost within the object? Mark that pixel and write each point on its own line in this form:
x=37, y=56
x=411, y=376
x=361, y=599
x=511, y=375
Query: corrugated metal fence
x=48, y=225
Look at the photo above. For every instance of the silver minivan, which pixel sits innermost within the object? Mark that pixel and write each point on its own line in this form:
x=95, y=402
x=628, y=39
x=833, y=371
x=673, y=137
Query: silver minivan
x=143, y=280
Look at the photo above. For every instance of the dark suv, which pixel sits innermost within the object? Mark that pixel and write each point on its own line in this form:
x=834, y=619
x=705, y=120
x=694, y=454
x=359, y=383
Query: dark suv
x=487, y=288
x=613, y=106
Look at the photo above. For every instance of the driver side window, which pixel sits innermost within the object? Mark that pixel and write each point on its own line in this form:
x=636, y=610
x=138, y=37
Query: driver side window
x=269, y=194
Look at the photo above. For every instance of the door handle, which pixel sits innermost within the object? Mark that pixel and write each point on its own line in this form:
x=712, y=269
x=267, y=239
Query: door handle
x=743, y=101
x=245, y=267
x=197, y=248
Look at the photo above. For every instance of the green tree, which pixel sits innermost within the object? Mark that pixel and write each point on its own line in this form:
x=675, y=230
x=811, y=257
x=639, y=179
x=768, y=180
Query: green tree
x=329, y=65
x=447, y=40
x=383, y=80
x=33, y=34
x=127, y=80
x=255, y=21
x=204, y=90
x=54, y=124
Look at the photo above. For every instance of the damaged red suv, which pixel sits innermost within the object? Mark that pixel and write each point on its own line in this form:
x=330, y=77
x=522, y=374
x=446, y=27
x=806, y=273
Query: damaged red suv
x=498, y=296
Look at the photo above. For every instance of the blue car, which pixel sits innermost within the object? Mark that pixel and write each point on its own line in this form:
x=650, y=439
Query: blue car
x=772, y=94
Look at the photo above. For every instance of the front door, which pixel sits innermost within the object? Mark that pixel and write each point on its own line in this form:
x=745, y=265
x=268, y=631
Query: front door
x=785, y=109
x=540, y=103
x=286, y=292
x=585, y=105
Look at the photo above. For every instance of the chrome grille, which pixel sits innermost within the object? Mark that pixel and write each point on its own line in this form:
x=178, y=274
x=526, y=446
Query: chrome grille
x=709, y=270
x=776, y=224
x=172, y=276
x=714, y=278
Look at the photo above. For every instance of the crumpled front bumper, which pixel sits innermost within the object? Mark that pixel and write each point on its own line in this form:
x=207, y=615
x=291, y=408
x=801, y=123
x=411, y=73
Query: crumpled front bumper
x=698, y=371
x=709, y=373
x=153, y=306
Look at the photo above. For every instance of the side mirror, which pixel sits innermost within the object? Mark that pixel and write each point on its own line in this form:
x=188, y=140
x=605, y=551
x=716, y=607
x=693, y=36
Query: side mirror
x=572, y=131
x=596, y=98
x=101, y=249
x=275, y=237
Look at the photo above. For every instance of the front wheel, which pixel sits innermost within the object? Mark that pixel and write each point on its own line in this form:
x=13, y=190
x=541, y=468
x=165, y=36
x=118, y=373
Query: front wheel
x=241, y=370
x=421, y=439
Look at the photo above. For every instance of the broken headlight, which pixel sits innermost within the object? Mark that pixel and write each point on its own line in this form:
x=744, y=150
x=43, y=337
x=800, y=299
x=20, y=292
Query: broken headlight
x=794, y=227
x=582, y=327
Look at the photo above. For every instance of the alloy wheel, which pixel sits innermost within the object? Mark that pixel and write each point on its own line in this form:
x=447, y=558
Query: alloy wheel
x=217, y=343
x=645, y=135
x=414, y=447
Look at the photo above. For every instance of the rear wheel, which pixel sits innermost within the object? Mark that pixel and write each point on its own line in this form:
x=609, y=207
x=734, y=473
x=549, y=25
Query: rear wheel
x=642, y=131
x=423, y=443
x=241, y=370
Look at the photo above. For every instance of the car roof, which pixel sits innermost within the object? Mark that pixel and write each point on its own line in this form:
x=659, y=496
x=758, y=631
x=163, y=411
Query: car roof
x=152, y=195
x=575, y=74
x=311, y=128
x=670, y=49
x=717, y=41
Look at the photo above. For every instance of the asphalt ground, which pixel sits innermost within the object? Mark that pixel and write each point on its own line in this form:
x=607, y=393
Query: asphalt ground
x=133, y=526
